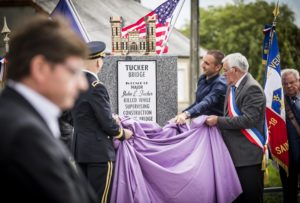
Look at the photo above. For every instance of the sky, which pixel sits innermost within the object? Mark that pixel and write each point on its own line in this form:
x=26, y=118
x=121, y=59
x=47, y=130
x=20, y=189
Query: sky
x=185, y=13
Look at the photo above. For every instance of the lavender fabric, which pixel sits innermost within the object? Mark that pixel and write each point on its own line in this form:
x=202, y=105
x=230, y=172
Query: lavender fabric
x=173, y=164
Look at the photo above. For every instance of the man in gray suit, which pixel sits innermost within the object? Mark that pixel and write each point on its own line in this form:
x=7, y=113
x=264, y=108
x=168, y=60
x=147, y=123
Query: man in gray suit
x=248, y=97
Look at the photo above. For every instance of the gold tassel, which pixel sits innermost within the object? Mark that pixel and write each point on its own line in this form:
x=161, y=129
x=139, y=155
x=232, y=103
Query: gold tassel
x=264, y=163
x=264, y=167
x=266, y=176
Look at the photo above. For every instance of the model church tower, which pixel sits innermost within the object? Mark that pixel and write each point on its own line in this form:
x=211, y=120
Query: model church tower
x=132, y=43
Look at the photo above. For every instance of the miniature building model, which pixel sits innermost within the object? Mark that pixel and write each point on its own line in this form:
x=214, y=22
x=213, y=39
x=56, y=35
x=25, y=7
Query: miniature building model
x=132, y=43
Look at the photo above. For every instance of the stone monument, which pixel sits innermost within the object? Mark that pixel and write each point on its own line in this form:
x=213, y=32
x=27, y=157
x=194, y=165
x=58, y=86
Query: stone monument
x=141, y=84
x=134, y=93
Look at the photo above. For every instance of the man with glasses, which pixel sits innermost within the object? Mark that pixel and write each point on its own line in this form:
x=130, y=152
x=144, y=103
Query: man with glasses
x=244, y=109
x=44, y=77
x=290, y=81
x=95, y=128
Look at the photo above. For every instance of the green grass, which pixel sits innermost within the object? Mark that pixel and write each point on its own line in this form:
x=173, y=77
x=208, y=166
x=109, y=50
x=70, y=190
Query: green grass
x=274, y=181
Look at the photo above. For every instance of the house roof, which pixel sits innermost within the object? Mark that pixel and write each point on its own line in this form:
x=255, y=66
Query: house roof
x=95, y=15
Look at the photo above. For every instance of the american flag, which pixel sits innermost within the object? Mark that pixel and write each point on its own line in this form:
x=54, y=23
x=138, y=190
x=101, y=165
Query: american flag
x=163, y=15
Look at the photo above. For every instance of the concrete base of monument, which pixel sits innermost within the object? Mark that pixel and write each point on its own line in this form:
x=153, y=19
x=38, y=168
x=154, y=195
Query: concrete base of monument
x=142, y=87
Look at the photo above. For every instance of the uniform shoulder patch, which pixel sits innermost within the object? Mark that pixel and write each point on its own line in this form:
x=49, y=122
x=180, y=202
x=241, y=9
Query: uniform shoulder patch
x=96, y=82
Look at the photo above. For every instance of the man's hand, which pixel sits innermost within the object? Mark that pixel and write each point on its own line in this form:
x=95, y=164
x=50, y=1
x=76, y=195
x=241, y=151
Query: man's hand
x=117, y=118
x=211, y=120
x=181, y=118
x=128, y=134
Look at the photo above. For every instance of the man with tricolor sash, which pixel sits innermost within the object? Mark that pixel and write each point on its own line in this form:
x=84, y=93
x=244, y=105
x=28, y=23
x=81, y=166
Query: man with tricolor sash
x=243, y=126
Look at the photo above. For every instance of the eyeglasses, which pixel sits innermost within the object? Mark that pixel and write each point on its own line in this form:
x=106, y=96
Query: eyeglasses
x=227, y=70
x=74, y=71
x=290, y=83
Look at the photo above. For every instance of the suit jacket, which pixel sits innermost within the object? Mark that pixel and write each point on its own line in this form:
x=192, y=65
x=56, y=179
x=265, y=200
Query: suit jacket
x=293, y=137
x=251, y=102
x=94, y=127
x=34, y=165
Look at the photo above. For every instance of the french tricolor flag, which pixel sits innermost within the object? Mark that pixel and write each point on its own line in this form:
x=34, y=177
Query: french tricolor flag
x=67, y=10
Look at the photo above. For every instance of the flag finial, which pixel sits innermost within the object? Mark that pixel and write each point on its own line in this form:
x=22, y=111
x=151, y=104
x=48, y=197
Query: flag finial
x=5, y=29
x=276, y=11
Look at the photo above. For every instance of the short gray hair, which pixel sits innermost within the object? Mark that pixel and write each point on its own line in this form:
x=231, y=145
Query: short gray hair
x=237, y=60
x=290, y=71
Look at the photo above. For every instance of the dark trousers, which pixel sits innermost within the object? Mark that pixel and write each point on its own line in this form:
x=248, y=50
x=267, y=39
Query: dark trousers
x=251, y=179
x=289, y=184
x=100, y=177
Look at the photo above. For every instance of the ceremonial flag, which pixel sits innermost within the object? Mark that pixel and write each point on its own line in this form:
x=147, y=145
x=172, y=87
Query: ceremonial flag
x=67, y=9
x=164, y=14
x=275, y=111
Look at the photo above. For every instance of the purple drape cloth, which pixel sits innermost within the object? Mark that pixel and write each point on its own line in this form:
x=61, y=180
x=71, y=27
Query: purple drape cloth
x=173, y=164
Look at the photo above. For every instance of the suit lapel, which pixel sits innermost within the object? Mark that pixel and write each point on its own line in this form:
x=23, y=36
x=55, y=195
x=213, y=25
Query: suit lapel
x=226, y=101
x=13, y=95
x=241, y=86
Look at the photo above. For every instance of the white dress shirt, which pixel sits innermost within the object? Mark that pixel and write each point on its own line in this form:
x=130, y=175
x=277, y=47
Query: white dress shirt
x=47, y=109
x=237, y=84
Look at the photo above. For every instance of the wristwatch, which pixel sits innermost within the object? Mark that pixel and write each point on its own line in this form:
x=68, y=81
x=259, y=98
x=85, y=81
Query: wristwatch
x=188, y=115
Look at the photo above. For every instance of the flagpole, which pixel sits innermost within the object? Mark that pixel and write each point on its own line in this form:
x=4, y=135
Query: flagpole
x=276, y=14
x=79, y=19
x=172, y=26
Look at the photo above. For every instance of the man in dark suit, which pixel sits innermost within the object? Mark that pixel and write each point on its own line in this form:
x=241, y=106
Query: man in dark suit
x=95, y=128
x=211, y=89
x=290, y=82
x=251, y=102
x=44, y=77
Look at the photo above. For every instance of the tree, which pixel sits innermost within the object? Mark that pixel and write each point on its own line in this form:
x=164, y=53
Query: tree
x=239, y=28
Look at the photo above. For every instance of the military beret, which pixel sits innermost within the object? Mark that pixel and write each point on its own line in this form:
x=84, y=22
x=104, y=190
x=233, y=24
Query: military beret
x=96, y=49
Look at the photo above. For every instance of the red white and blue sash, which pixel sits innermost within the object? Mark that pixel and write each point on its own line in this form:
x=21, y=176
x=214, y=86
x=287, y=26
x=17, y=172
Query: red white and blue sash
x=253, y=135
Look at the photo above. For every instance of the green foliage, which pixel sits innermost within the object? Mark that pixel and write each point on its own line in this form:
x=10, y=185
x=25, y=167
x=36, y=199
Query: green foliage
x=239, y=28
x=273, y=179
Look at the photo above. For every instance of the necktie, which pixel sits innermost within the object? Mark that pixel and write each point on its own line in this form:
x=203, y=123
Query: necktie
x=234, y=88
x=294, y=99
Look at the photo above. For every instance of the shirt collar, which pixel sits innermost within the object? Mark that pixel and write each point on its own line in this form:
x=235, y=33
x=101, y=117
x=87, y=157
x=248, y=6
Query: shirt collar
x=87, y=71
x=47, y=110
x=297, y=96
x=210, y=80
x=237, y=84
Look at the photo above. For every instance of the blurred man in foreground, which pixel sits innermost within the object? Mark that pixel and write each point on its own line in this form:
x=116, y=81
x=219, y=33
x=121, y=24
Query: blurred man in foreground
x=44, y=77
